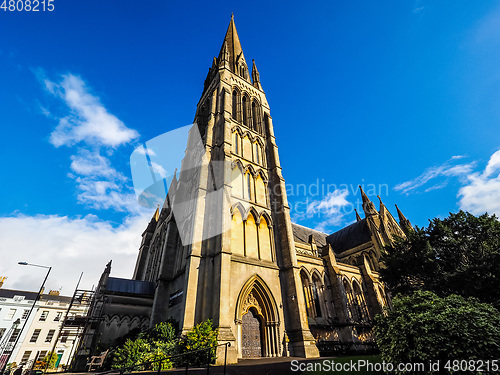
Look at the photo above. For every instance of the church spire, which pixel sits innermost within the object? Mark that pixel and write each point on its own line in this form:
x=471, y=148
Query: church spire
x=404, y=223
x=368, y=206
x=358, y=218
x=255, y=76
x=232, y=51
x=383, y=209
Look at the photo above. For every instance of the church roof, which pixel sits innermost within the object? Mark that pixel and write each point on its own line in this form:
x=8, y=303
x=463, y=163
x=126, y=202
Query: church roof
x=349, y=237
x=302, y=234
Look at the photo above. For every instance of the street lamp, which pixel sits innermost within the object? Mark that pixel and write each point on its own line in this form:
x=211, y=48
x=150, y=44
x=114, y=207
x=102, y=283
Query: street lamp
x=31, y=310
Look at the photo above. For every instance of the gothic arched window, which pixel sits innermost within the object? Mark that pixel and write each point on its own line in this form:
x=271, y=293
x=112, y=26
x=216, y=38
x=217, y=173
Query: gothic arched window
x=245, y=110
x=257, y=124
x=256, y=153
x=360, y=301
x=236, y=147
x=235, y=105
x=307, y=296
x=317, y=289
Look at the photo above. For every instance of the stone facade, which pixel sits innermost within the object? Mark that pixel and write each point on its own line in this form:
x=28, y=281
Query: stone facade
x=273, y=288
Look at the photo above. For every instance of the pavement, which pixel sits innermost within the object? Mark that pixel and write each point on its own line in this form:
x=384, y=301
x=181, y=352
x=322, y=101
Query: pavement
x=257, y=366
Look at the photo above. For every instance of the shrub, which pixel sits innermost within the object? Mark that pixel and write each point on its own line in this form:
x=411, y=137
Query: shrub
x=201, y=336
x=133, y=352
x=51, y=358
x=423, y=327
x=150, y=346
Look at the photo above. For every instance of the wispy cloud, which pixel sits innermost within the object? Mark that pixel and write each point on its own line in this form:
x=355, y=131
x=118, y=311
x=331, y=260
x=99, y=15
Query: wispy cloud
x=479, y=191
x=418, y=7
x=440, y=172
x=93, y=131
x=70, y=244
x=88, y=120
x=328, y=211
x=482, y=193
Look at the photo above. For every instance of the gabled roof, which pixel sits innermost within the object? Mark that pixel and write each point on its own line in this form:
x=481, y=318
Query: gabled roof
x=302, y=234
x=350, y=237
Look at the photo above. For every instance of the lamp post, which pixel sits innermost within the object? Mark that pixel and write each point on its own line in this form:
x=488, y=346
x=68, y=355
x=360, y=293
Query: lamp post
x=31, y=310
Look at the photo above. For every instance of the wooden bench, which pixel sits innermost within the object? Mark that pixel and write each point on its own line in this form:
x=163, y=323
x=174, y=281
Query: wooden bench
x=97, y=360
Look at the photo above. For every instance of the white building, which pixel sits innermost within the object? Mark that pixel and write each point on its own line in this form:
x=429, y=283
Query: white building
x=14, y=305
x=44, y=327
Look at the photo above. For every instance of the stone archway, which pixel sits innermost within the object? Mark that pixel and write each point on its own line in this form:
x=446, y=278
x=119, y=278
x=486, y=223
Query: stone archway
x=257, y=321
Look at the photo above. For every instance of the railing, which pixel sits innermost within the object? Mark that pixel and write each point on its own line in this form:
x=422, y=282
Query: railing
x=175, y=358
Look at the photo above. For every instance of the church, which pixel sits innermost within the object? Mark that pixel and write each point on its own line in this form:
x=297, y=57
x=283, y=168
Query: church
x=223, y=246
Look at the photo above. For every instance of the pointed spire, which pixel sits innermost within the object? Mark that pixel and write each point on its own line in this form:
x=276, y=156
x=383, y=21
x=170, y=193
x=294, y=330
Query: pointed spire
x=368, y=206
x=231, y=47
x=404, y=223
x=255, y=76
x=358, y=218
x=224, y=56
x=157, y=213
x=383, y=209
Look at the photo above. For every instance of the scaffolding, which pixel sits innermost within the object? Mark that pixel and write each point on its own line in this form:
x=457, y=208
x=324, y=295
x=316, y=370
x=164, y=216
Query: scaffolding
x=84, y=327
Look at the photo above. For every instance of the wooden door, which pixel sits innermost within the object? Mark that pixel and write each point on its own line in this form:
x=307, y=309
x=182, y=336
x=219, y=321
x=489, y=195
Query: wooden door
x=252, y=335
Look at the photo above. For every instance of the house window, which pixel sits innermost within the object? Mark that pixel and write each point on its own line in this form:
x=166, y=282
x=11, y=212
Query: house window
x=41, y=355
x=44, y=315
x=26, y=356
x=64, y=336
x=14, y=335
x=50, y=335
x=58, y=316
x=26, y=313
x=35, y=335
x=2, y=332
x=10, y=314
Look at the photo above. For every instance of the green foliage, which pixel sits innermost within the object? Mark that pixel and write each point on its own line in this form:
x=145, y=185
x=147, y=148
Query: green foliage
x=150, y=346
x=459, y=254
x=423, y=327
x=133, y=352
x=162, y=342
x=203, y=335
x=51, y=358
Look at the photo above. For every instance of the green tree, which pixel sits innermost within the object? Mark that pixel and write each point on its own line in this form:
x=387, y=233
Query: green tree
x=423, y=327
x=51, y=358
x=459, y=254
x=203, y=335
x=148, y=348
x=132, y=353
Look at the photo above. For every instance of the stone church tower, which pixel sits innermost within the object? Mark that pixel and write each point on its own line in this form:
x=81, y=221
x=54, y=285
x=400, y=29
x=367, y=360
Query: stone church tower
x=228, y=254
x=223, y=246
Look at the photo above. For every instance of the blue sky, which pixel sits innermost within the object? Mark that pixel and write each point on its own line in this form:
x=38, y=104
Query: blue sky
x=401, y=95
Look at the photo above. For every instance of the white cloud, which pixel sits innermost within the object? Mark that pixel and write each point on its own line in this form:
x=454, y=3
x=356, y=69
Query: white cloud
x=88, y=124
x=330, y=209
x=482, y=193
x=99, y=185
x=89, y=121
x=92, y=163
x=157, y=168
x=70, y=246
x=144, y=151
x=445, y=170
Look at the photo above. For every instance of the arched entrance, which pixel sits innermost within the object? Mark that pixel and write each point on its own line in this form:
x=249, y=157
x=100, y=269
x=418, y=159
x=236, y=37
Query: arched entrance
x=257, y=321
x=251, y=331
